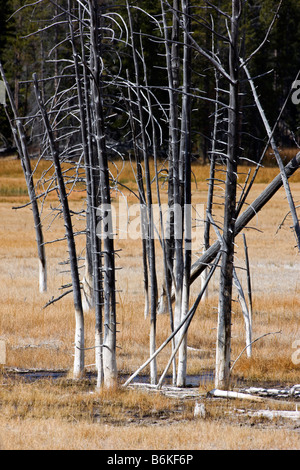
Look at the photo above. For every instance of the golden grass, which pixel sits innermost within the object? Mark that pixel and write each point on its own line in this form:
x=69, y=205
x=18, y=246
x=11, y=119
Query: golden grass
x=12, y=183
x=64, y=414
x=54, y=434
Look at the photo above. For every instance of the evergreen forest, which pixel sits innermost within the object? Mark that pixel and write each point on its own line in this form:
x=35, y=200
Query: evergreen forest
x=23, y=52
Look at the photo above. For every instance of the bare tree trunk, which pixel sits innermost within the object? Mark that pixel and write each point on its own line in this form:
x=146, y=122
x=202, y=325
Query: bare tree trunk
x=184, y=324
x=249, y=287
x=141, y=192
x=172, y=72
x=20, y=140
x=149, y=209
x=79, y=327
x=87, y=282
x=108, y=268
x=174, y=229
x=246, y=314
x=92, y=283
x=177, y=170
x=226, y=275
x=212, y=171
x=187, y=217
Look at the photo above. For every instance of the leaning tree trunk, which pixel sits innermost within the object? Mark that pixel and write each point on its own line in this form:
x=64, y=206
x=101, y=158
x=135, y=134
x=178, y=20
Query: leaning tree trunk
x=87, y=282
x=243, y=220
x=79, y=321
x=286, y=185
x=226, y=275
x=20, y=140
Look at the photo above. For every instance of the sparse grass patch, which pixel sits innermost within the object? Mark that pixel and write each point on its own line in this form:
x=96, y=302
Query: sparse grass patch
x=66, y=415
x=12, y=191
x=263, y=369
x=68, y=400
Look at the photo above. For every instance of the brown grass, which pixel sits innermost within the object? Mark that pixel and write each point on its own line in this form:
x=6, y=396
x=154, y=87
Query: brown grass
x=65, y=414
x=55, y=434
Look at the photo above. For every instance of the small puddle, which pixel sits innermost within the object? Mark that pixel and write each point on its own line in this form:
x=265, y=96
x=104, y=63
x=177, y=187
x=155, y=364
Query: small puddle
x=34, y=375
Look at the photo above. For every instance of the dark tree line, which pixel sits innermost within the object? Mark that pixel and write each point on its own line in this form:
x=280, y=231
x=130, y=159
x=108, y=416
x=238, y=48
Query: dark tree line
x=277, y=63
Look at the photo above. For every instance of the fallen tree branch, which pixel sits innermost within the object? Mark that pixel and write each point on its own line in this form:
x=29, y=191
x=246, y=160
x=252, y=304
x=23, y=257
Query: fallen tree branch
x=53, y=300
x=228, y=394
x=271, y=414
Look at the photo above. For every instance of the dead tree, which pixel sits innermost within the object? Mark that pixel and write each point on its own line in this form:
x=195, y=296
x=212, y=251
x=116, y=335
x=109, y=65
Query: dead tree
x=212, y=158
x=246, y=217
x=79, y=329
x=106, y=233
x=186, y=150
x=21, y=144
x=214, y=252
x=75, y=124
x=271, y=139
x=146, y=201
x=223, y=349
x=92, y=288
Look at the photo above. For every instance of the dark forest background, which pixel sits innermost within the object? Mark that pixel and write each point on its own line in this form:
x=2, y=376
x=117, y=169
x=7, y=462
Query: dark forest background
x=277, y=64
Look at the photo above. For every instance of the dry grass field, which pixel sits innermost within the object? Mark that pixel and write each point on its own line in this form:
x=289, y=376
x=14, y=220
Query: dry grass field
x=63, y=414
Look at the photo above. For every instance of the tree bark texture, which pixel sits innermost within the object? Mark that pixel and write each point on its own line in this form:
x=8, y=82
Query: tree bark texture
x=79, y=321
x=108, y=265
x=20, y=141
x=226, y=274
